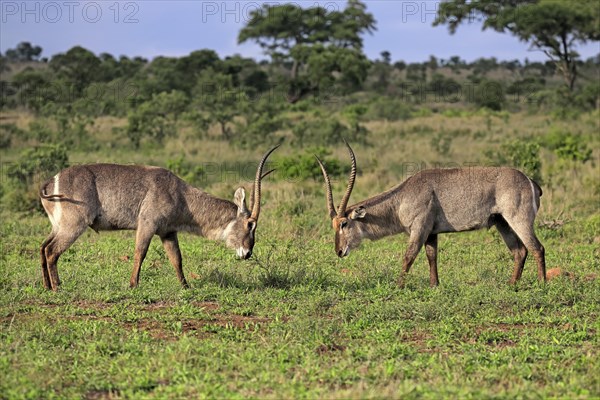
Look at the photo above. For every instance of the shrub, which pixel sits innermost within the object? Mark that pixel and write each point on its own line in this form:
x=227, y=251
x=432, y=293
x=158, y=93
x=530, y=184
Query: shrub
x=186, y=170
x=305, y=166
x=35, y=165
x=441, y=143
x=7, y=133
x=262, y=119
x=40, y=131
x=444, y=89
x=589, y=96
x=525, y=88
x=389, y=109
x=320, y=131
x=521, y=154
x=71, y=124
x=355, y=114
x=489, y=94
x=156, y=118
x=568, y=146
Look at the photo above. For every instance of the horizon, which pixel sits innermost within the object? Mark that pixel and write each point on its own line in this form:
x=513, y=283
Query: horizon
x=132, y=29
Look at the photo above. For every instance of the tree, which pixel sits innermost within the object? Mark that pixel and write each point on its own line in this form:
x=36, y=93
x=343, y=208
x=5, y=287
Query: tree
x=128, y=68
x=386, y=57
x=78, y=67
x=317, y=43
x=169, y=73
x=552, y=26
x=381, y=71
x=157, y=117
x=24, y=52
x=33, y=88
x=218, y=99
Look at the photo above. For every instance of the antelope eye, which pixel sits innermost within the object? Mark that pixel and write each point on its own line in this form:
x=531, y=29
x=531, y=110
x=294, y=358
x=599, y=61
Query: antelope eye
x=343, y=224
x=250, y=225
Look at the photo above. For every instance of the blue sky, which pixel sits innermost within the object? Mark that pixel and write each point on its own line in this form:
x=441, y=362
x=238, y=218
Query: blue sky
x=150, y=28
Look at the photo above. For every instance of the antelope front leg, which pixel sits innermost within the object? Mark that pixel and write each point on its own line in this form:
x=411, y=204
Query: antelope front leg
x=171, y=245
x=414, y=246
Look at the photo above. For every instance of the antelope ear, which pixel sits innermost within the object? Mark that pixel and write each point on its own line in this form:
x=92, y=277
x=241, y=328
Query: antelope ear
x=239, y=198
x=357, y=213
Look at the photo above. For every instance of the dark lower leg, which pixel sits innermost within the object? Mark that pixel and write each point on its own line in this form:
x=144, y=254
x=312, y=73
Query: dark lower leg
x=45, y=274
x=171, y=245
x=431, y=252
x=409, y=259
x=519, y=255
x=540, y=259
x=51, y=260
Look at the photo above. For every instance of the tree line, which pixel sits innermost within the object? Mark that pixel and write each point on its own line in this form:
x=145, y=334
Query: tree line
x=315, y=62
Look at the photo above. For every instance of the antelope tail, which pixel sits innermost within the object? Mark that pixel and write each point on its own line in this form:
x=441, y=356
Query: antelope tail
x=45, y=196
x=537, y=187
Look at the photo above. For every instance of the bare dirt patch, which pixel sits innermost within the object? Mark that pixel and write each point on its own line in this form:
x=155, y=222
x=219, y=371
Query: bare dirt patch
x=102, y=395
x=164, y=305
x=152, y=324
x=330, y=348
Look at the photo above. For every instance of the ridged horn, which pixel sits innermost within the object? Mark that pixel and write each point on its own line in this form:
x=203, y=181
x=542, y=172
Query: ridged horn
x=330, y=205
x=261, y=178
x=255, y=196
x=344, y=203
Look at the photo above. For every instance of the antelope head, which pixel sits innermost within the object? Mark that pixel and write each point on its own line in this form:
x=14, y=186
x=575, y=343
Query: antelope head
x=346, y=224
x=239, y=234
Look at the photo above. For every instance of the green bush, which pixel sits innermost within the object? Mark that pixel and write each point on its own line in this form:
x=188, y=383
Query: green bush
x=72, y=126
x=560, y=102
x=24, y=177
x=156, y=119
x=523, y=89
x=568, y=146
x=390, y=109
x=40, y=131
x=192, y=174
x=444, y=89
x=489, y=94
x=7, y=133
x=521, y=154
x=326, y=131
x=441, y=143
x=305, y=166
x=262, y=119
x=589, y=96
x=355, y=114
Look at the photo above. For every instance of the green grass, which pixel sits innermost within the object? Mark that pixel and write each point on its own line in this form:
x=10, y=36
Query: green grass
x=297, y=322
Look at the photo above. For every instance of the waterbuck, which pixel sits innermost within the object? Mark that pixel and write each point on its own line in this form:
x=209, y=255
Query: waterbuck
x=150, y=200
x=438, y=201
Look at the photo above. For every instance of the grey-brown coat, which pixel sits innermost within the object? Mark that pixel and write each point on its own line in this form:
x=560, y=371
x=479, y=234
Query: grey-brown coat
x=439, y=201
x=150, y=200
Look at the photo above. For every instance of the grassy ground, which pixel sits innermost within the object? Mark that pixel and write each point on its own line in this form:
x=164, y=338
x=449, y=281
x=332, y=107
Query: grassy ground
x=295, y=321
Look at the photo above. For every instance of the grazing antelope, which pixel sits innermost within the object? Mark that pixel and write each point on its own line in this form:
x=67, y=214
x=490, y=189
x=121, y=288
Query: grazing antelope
x=150, y=200
x=438, y=201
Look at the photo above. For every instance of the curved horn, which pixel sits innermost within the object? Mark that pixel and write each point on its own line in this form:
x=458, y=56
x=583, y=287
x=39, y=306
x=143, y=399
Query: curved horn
x=330, y=205
x=261, y=178
x=342, y=209
x=255, y=197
